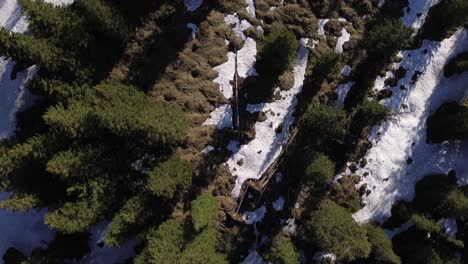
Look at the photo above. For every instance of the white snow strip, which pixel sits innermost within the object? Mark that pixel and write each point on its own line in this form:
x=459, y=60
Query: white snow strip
x=250, y=7
x=290, y=227
x=450, y=226
x=233, y=146
x=259, y=153
x=221, y=117
x=346, y=71
x=379, y=83
x=239, y=25
x=252, y=217
x=417, y=14
x=319, y=256
x=245, y=66
x=253, y=258
x=345, y=36
x=342, y=92
x=101, y=253
x=208, y=149
x=342, y=19
x=321, y=26
x=192, y=5
x=404, y=137
x=194, y=29
x=278, y=204
x=380, y=3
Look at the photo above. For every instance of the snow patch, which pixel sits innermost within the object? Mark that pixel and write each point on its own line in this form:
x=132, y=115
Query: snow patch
x=380, y=3
x=278, y=204
x=416, y=13
x=252, y=217
x=208, y=149
x=221, y=117
x=319, y=256
x=450, y=226
x=346, y=71
x=342, y=92
x=250, y=7
x=194, y=29
x=239, y=25
x=389, y=176
x=192, y=5
x=253, y=258
x=245, y=67
x=267, y=140
x=290, y=227
x=321, y=26
x=345, y=36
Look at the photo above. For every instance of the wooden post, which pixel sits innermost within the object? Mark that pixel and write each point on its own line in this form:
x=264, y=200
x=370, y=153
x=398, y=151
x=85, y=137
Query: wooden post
x=235, y=93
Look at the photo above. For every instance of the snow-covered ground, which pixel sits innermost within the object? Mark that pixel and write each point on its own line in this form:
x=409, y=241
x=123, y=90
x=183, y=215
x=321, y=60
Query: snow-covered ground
x=192, y=5
x=345, y=36
x=417, y=14
x=321, y=26
x=342, y=91
x=221, y=117
x=403, y=138
x=259, y=153
x=250, y=7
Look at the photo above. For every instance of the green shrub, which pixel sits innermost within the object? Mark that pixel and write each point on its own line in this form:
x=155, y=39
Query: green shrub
x=164, y=244
x=370, y=113
x=277, y=51
x=449, y=122
x=283, y=251
x=320, y=170
x=324, y=122
x=333, y=229
x=387, y=38
x=170, y=177
x=382, y=251
x=425, y=224
x=457, y=65
x=204, y=210
x=327, y=65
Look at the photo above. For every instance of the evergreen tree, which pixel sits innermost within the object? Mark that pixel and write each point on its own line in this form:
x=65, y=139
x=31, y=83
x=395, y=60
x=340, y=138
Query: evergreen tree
x=381, y=246
x=278, y=50
x=132, y=214
x=170, y=177
x=323, y=122
x=332, y=229
x=283, y=251
x=320, y=170
x=388, y=37
x=202, y=250
x=203, y=211
x=164, y=245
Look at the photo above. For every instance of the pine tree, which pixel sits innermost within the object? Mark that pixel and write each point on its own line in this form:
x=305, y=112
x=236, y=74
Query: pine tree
x=170, y=177
x=283, y=251
x=204, y=210
x=382, y=251
x=278, y=50
x=332, y=229
x=323, y=122
x=320, y=170
x=164, y=244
